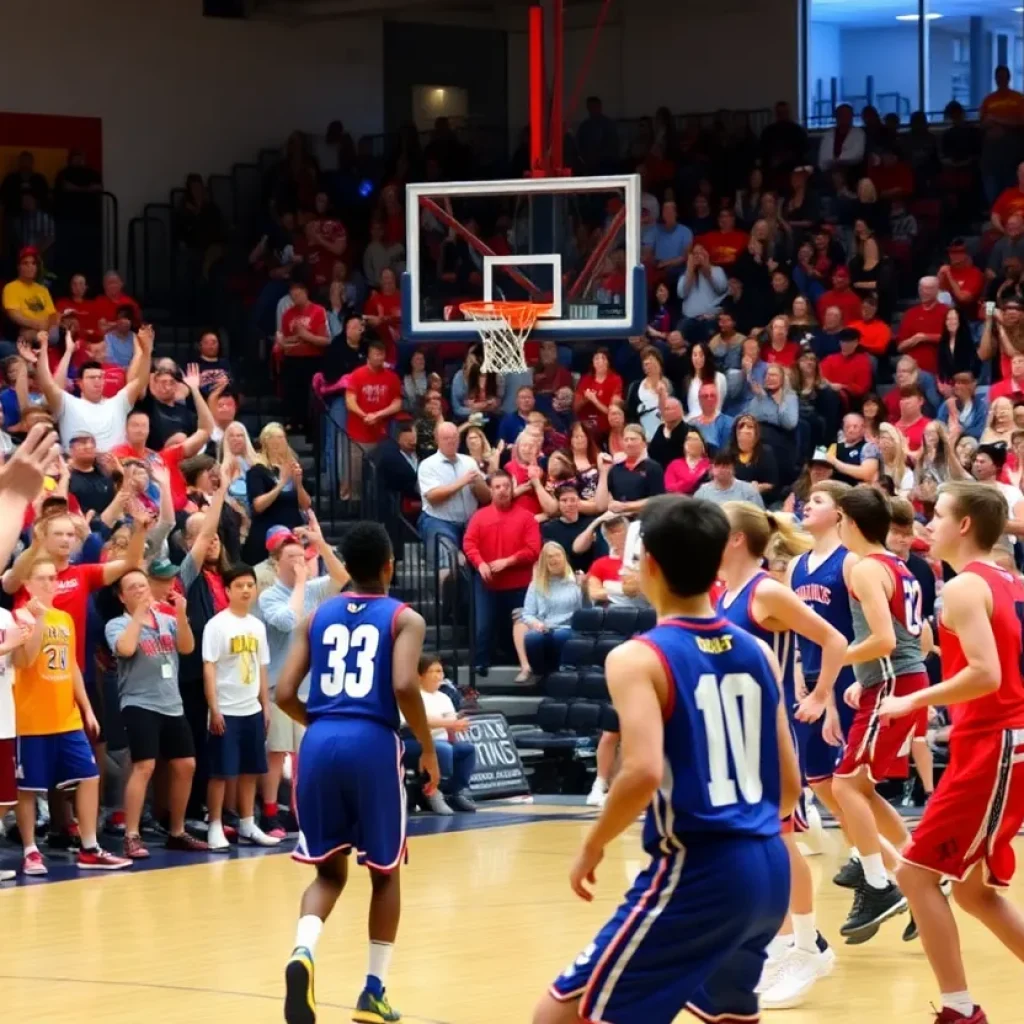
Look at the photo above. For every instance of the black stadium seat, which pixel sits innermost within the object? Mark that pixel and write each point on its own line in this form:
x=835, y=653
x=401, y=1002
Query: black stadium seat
x=619, y=620
x=592, y=685
x=646, y=619
x=603, y=648
x=562, y=685
x=551, y=715
x=551, y=734
x=578, y=651
x=588, y=620
x=584, y=718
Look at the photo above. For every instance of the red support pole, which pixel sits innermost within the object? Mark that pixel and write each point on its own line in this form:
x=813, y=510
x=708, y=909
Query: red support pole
x=475, y=243
x=557, y=135
x=599, y=253
x=536, y=89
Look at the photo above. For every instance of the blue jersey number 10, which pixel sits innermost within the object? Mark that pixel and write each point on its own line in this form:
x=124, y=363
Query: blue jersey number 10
x=363, y=642
x=731, y=707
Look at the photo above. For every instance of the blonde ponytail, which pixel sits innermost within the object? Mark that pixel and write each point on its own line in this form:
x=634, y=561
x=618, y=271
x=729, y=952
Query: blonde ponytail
x=759, y=527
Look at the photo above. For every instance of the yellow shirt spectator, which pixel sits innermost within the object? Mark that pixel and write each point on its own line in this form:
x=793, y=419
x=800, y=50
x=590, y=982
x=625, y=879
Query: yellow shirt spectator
x=44, y=692
x=29, y=300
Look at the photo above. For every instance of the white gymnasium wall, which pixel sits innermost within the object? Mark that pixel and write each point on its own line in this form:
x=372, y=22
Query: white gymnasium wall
x=690, y=56
x=179, y=92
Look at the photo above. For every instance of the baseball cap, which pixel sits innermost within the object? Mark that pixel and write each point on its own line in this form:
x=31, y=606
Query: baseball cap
x=162, y=569
x=277, y=536
x=28, y=252
x=821, y=456
x=849, y=334
x=841, y=274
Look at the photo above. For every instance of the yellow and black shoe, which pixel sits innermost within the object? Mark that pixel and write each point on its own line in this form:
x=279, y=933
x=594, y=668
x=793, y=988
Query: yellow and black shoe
x=299, y=1000
x=373, y=1009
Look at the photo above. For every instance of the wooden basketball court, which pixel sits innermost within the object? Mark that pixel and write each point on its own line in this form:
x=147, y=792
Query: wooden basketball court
x=489, y=920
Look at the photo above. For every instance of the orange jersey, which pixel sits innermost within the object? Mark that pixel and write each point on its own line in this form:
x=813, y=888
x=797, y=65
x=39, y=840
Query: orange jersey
x=44, y=692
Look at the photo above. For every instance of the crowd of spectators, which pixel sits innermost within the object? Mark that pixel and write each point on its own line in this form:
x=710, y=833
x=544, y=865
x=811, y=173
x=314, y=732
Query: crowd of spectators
x=801, y=329
x=811, y=317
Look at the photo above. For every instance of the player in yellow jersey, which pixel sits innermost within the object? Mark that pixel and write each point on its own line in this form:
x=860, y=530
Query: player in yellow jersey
x=52, y=715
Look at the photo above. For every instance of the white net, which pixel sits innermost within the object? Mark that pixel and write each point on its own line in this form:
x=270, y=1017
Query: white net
x=503, y=329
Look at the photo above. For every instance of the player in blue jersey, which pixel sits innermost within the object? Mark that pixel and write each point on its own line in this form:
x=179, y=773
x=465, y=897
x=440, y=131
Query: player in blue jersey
x=706, y=749
x=770, y=611
x=361, y=651
x=818, y=578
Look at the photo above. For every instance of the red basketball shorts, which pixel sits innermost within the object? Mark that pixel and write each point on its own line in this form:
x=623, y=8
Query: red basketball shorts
x=882, y=745
x=8, y=777
x=976, y=811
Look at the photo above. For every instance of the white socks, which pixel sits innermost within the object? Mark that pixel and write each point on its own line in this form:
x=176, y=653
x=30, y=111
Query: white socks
x=779, y=946
x=959, y=1001
x=874, y=870
x=246, y=826
x=380, y=961
x=805, y=932
x=854, y=853
x=307, y=933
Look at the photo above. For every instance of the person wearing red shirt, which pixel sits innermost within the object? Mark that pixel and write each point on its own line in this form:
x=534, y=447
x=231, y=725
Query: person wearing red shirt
x=963, y=280
x=595, y=393
x=1010, y=201
x=842, y=296
x=912, y=423
x=527, y=473
x=299, y=348
x=727, y=244
x=779, y=348
x=849, y=371
x=373, y=395
x=549, y=375
x=57, y=537
x=892, y=177
x=502, y=543
x=105, y=306
x=875, y=334
x=92, y=353
x=921, y=327
x=83, y=308
x=383, y=312
x=326, y=241
x=1011, y=387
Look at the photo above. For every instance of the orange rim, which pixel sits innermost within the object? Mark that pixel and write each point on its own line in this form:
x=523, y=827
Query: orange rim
x=516, y=314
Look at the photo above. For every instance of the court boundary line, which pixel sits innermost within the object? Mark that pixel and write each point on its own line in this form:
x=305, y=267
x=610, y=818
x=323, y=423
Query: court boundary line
x=198, y=989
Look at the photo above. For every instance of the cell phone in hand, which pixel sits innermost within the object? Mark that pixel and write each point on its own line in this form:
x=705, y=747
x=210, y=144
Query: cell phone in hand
x=990, y=308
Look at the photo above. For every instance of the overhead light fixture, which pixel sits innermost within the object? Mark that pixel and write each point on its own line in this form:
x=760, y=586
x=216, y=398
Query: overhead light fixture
x=931, y=16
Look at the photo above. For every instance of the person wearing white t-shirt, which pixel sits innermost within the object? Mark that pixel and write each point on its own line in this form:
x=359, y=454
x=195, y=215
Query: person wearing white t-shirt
x=456, y=758
x=235, y=659
x=90, y=412
x=12, y=635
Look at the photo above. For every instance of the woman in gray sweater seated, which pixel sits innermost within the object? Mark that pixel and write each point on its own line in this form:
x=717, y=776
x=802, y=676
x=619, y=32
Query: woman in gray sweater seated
x=544, y=625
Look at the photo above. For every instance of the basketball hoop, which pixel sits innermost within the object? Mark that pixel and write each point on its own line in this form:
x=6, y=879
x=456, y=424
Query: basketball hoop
x=503, y=328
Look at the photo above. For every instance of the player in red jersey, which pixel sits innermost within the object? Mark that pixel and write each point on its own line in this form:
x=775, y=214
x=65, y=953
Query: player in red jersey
x=978, y=806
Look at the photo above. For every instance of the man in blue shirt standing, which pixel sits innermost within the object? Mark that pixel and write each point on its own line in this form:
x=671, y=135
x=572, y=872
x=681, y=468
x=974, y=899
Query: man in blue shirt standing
x=671, y=242
x=282, y=606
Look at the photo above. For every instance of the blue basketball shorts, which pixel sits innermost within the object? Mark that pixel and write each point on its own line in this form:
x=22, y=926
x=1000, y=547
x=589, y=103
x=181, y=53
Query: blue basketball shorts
x=818, y=760
x=58, y=761
x=690, y=934
x=351, y=793
x=241, y=750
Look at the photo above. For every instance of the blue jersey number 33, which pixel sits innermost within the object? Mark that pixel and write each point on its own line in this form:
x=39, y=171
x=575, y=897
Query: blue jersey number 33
x=362, y=642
